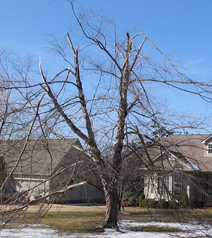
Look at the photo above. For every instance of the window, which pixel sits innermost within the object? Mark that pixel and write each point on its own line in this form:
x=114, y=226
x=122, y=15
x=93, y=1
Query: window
x=210, y=148
x=163, y=185
x=177, y=185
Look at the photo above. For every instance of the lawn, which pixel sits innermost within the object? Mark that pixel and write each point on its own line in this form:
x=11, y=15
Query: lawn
x=74, y=218
x=83, y=219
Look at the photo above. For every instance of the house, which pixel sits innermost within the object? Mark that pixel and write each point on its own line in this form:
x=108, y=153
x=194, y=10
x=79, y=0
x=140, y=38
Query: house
x=179, y=165
x=38, y=168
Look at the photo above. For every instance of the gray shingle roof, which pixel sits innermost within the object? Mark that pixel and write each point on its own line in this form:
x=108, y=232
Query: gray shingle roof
x=39, y=157
x=188, y=149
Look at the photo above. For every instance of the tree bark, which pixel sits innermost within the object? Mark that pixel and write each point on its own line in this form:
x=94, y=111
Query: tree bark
x=111, y=198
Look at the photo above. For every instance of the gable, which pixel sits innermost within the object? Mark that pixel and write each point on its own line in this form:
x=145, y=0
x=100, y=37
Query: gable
x=173, y=161
x=188, y=151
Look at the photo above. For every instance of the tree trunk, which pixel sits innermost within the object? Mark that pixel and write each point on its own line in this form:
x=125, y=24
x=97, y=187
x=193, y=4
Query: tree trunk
x=111, y=215
x=111, y=198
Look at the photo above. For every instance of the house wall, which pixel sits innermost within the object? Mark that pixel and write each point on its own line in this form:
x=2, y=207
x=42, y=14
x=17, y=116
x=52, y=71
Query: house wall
x=83, y=193
x=202, y=187
x=152, y=190
x=39, y=188
x=150, y=187
x=36, y=187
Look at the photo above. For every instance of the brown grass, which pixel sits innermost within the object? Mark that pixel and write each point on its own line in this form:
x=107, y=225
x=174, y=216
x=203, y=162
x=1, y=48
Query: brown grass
x=71, y=218
x=86, y=218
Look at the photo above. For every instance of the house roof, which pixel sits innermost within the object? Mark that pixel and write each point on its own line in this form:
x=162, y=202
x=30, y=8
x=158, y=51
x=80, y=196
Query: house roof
x=185, y=152
x=36, y=157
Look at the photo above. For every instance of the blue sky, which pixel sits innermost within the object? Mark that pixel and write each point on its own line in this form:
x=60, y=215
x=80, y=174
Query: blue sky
x=180, y=28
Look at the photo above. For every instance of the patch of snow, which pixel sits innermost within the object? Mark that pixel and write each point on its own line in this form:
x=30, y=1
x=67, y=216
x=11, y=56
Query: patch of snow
x=29, y=233
x=188, y=229
x=123, y=212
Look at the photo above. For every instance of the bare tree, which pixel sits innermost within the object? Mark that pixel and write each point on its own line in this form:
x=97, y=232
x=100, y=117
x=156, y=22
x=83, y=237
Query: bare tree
x=106, y=98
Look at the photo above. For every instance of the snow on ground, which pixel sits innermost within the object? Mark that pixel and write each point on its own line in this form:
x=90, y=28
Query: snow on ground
x=188, y=230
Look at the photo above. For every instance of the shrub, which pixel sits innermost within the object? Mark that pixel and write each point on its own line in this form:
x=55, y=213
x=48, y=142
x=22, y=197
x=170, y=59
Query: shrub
x=173, y=204
x=141, y=198
x=184, y=200
x=163, y=204
x=133, y=201
x=207, y=204
x=132, y=190
x=150, y=203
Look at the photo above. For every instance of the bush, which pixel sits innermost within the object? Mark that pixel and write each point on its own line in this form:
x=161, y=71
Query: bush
x=150, y=203
x=131, y=191
x=207, y=204
x=201, y=204
x=173, y=204
x=141, y=198
x=133, y=201
x=163, y=204
x=184, y=200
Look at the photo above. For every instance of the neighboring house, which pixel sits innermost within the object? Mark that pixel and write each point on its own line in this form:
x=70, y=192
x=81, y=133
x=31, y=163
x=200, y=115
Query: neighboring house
x=179, y=165
x=34, y=170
